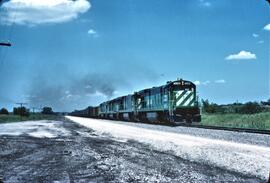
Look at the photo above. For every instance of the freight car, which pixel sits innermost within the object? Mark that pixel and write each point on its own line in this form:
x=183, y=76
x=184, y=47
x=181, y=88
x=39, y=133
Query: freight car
x=173, y=102
x=88, y=112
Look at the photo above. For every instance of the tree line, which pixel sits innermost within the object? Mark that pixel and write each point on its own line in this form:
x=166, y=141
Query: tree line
x=240, y=108
x=23, y=111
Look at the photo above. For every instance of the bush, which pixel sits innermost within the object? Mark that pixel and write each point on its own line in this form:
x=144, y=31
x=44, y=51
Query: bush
x=47, y=110
x=247, y=108
x=21, y=111
x=251, y=108
x=211, y=108
x=4, y=111
x=266, y=102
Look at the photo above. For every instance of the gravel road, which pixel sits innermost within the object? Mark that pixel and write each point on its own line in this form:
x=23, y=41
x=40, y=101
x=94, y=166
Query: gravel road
x=64, y=151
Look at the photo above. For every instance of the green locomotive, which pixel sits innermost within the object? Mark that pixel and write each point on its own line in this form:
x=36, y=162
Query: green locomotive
x=171, y=103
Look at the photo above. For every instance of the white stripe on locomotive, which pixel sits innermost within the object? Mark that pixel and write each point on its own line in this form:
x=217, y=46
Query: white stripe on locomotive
x=184, y=97
x=189, y=100
x=179, y=93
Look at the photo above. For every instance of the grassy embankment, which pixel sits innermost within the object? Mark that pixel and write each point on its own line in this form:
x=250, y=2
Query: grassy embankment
x=256, y=121
x=32, y=117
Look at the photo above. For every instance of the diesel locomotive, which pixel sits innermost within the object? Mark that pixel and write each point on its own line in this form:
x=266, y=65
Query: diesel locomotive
x=174, y=102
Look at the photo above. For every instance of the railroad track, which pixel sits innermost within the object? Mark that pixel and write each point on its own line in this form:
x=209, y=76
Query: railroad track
x=247, y=130
x=198, y=125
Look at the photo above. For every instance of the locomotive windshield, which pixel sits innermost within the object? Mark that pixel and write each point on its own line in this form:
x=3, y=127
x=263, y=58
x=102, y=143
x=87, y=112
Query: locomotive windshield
x=181, y=85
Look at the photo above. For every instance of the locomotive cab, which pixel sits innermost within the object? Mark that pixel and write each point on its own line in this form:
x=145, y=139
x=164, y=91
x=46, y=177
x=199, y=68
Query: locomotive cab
x=183, y=102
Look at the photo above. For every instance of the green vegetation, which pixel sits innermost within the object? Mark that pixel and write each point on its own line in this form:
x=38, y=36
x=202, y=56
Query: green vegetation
x=239, y=115
x=23, y=114
x=256, y=121
x=4, y=111
x=16, y=118
x=22, y=111
x=246, y=108
x=47, y=110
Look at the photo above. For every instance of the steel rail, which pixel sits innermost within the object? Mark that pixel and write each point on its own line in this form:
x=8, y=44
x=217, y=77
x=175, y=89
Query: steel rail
x=246, y=130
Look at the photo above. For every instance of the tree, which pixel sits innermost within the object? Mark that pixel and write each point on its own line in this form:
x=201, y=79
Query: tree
x=211, y=108
x=4, y=111
x=251, y=108
x=47, y=110
x=15, y=111
x=22, y=111
x=265, y=102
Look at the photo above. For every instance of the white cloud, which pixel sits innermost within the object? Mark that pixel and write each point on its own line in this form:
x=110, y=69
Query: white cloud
x=260, y=42
x=267, y=27
x=33, y=12
x=91, y=31
x=67, y=92
x=205, y=82
x=201, y=83
x=205, y=3
x=220, y=81
x=88, y=87
x=242, y=55
x=69, y=96
x=255, y=35
x=197, y=82
x=96, y=94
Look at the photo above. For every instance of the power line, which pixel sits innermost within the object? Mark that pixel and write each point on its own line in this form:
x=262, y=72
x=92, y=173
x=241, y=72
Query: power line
x=5, y=44
x=21, y=104
x=11, y=29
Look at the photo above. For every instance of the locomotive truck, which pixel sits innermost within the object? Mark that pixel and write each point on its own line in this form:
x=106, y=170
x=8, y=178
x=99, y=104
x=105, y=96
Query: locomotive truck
x=174, y=102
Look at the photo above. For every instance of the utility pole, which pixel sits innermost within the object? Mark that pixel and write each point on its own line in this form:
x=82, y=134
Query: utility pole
x=5, y=44
x=35, y=109
x=21, y=104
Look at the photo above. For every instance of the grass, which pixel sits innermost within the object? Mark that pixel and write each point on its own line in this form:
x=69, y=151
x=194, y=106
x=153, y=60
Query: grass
x=32, y=117
x=256, y=121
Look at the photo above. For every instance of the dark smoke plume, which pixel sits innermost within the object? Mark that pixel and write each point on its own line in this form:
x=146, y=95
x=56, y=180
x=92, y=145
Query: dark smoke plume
x=72, y=93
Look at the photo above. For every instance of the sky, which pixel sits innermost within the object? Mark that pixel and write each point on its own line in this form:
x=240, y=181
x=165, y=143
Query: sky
x=72, y=54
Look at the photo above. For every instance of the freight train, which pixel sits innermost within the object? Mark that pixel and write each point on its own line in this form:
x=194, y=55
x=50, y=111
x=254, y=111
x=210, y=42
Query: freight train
x=174, y=102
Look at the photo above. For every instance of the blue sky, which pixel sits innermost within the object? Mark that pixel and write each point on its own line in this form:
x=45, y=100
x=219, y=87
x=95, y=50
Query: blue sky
x=71, y=54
